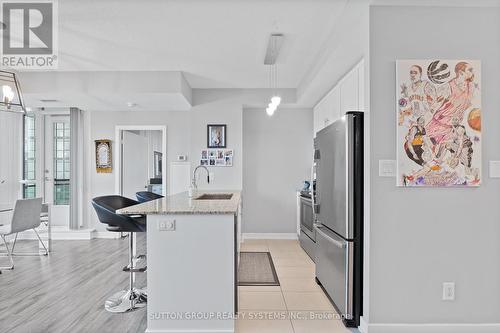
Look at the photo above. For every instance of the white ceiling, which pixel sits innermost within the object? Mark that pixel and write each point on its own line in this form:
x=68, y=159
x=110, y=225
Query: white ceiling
x=217, y=43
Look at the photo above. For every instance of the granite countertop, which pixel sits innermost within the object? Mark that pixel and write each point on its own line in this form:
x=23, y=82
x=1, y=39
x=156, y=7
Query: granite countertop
x=182, y=204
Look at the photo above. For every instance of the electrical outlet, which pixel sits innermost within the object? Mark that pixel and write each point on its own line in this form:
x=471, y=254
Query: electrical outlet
x=168, y=225
x=448, y=291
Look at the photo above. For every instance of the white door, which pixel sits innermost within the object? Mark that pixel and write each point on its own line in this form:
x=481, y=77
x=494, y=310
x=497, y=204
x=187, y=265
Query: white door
x=57, y=168
x=134, y=164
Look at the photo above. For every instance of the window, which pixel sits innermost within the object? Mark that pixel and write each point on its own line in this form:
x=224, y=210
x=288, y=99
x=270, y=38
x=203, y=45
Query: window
x=29, y=161
x=61, y=163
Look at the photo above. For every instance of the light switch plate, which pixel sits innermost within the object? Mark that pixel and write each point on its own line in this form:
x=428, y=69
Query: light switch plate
x=494, y=169
x=387, y=168
x=448, y=291
x=166, y=225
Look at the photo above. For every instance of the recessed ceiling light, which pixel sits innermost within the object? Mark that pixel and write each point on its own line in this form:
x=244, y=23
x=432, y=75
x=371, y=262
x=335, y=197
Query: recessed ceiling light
x=131, y=104
x=49, y=100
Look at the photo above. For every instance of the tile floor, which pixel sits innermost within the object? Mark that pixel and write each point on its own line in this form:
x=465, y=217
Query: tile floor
x=294, y=307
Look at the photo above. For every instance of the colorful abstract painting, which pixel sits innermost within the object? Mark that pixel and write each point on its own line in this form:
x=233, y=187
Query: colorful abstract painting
x=438, y=122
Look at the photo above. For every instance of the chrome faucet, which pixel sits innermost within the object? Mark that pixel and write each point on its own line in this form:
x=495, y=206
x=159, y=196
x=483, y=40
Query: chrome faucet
x=193, y=182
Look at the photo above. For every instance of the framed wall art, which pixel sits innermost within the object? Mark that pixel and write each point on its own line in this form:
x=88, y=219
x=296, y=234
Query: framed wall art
x=103, y=156
x=438, y=122
x=216, y=136
x=217, y=157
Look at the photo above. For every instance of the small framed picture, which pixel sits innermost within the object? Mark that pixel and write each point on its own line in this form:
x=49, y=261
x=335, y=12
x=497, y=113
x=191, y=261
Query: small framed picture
x=216, y=136
x=211, y=162
x=203, y=162
x=103, y=157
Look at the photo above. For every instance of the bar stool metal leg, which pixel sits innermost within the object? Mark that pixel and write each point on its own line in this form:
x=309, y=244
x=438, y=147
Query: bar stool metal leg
x=133, y=298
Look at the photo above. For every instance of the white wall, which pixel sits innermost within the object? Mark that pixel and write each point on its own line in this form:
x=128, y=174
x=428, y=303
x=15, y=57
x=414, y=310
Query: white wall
x=219, y=112
x=423, y=237
x=277, y=153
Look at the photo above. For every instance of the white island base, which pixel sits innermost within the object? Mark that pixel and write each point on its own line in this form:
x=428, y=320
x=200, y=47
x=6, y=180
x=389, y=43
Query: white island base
x=191, y=273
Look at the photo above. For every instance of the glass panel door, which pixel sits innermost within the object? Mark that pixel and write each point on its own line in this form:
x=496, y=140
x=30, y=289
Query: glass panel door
x=29, y=157
x=61, y=159
x=57, y=167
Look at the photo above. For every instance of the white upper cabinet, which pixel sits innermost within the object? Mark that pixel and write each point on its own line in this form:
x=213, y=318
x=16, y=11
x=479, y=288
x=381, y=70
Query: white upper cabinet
x=361, y=87
x=349, y=92
x=347, y=95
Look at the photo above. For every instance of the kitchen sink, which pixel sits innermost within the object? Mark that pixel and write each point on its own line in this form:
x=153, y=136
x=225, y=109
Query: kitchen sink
x=215, y=196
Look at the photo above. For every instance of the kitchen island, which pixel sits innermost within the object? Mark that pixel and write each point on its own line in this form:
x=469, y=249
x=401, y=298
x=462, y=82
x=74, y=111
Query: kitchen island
x=192, y=260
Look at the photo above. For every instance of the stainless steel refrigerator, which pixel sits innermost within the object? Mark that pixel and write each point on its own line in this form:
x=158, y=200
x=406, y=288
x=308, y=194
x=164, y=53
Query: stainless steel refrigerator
x=339, y=214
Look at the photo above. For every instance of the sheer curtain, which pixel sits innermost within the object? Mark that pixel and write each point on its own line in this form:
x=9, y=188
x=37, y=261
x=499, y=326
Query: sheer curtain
x=76, y=183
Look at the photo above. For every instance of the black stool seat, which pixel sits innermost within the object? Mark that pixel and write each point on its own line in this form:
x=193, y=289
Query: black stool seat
x=106, y=207
x=131, y=298
x=145, y=196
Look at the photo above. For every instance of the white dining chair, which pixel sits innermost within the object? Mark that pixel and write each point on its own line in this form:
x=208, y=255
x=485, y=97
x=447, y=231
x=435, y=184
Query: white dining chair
x=26, y=216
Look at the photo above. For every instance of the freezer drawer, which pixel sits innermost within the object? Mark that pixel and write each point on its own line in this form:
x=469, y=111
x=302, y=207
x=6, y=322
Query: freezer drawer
x=334, y=269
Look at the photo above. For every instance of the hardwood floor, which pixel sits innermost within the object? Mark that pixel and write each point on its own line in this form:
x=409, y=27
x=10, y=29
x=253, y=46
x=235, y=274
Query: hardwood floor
x=65, y=292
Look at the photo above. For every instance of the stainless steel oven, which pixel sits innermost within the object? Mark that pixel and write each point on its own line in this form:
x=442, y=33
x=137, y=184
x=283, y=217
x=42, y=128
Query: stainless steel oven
x=307, y=216
x=307, y=236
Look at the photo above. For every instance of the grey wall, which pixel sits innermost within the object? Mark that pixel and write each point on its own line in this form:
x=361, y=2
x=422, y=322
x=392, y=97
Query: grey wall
x=277, y=159
x=421, y=237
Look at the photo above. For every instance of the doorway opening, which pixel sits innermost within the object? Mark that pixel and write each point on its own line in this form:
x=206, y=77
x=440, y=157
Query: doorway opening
x=141, y=159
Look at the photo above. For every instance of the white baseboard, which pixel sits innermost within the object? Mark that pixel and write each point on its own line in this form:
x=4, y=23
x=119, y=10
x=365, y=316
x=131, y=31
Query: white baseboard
x=189, y=331
x=428, y=328
x=363, y=325
x=58, y=233
x=270, y=235
x=105, y=234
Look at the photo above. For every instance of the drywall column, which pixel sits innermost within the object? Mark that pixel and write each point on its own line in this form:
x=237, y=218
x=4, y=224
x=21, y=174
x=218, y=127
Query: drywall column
x=422, y=237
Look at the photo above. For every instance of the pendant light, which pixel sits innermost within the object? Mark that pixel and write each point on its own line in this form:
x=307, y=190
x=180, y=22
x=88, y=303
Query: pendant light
x=275, y=99
x=11, y=99
x=273, y=48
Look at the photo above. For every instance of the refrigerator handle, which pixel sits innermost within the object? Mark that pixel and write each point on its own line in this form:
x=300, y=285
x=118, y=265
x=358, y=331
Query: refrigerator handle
x=329, y=238
x=313, y=201
x=315, y=206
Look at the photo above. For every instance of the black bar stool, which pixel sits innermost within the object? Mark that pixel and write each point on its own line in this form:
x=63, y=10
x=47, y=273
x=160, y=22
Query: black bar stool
x=105, y=207
x=145, y=196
